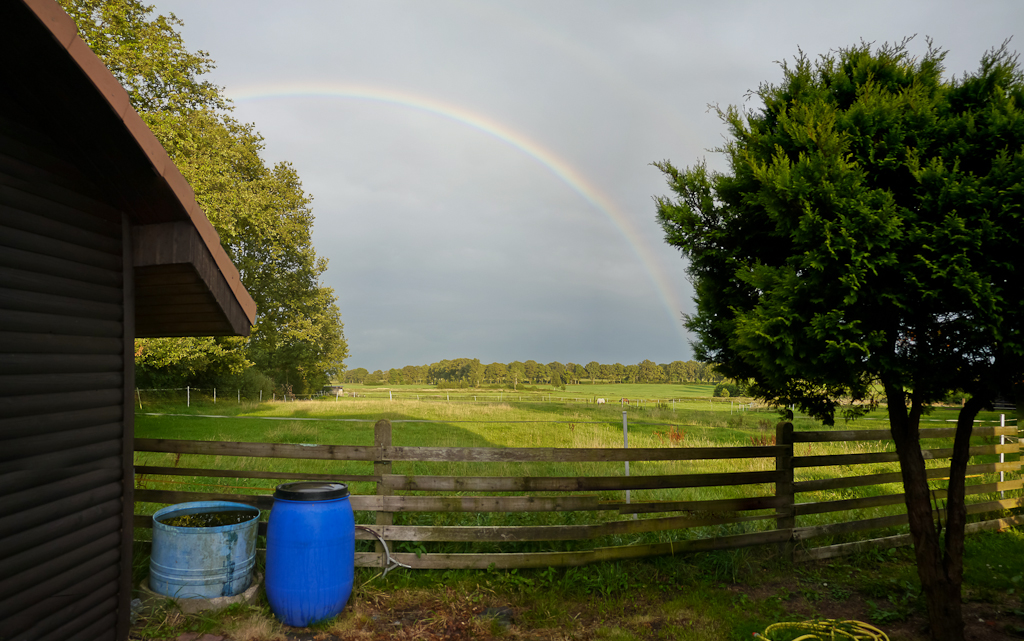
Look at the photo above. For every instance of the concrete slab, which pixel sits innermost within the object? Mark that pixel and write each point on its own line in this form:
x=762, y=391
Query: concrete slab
x=191, y=606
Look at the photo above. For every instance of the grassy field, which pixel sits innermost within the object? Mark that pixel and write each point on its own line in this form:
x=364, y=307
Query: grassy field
x=582, y=393
x=585, y=392
x=722, y=595
x=528, y=423
x=456, y=424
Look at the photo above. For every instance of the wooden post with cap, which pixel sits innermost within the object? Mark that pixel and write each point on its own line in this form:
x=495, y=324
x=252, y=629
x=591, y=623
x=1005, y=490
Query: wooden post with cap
x=784, y=486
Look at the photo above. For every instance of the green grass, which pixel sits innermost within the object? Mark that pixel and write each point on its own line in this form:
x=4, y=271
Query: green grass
x=719, y=596
x=532, y=423
x=456, y=425
x=582, y=393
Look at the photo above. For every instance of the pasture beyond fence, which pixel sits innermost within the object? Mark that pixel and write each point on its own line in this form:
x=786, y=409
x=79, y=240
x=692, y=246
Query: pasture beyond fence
x=210, y=395
x=483, y=507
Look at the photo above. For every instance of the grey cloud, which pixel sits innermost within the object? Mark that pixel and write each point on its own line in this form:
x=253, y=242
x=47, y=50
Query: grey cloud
x=445, y=241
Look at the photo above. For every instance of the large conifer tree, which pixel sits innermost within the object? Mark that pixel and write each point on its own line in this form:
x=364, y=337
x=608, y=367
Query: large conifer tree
x=869, y=235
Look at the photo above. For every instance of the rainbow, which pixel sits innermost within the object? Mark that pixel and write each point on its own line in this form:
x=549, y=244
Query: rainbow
x=556, y=165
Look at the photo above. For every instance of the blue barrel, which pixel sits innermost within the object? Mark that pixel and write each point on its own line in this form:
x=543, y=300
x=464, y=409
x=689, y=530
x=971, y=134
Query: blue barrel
x=311, y=544
x=203, y=562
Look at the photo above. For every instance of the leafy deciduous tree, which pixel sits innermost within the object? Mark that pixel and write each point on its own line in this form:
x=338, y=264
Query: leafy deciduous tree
x=262, y=214
x=412, y=374
x=166, y=361
x=357, y=375
x=649, y=372
x=516, y=373
x=496, y=372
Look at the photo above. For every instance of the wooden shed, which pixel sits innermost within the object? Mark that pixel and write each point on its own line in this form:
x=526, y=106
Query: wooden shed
x=101, y=241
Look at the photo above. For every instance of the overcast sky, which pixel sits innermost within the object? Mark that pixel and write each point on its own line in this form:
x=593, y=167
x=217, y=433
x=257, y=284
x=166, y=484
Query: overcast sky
x=481, y=170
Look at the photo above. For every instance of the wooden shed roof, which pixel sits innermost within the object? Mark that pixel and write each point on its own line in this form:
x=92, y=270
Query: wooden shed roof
x=186, y=285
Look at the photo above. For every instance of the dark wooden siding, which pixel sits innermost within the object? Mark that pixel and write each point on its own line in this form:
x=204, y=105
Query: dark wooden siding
x=65, y=421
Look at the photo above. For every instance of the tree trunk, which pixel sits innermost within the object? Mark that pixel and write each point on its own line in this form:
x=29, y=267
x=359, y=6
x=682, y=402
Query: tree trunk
x=939, y=567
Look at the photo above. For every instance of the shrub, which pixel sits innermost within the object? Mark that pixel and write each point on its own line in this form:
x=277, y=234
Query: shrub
x=250, y=382
x=726, y=389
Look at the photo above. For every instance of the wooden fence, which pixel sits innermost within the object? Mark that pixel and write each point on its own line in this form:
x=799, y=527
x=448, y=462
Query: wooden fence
x=772, y=515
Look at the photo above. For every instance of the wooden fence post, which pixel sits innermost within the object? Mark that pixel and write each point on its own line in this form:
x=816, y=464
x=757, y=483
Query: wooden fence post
x=382, y=439
x=784, y=486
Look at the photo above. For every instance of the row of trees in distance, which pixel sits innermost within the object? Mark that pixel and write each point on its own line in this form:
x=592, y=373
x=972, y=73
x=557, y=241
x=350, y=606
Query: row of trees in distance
x=471, y=372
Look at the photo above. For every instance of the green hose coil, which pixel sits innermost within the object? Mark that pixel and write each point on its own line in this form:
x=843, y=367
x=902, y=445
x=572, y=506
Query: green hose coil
x=826, y=630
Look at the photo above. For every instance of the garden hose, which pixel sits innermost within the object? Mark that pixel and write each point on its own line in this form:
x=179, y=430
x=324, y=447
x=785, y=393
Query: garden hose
x=390, y=563
x=826, y=630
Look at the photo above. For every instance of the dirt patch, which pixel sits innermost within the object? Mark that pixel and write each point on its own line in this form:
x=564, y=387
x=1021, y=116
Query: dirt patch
x=446, y=615
x=421, y=615
x=982, y=621
x=668, y=601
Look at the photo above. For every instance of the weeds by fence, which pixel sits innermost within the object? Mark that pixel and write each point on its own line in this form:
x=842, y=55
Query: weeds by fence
x=478, y=507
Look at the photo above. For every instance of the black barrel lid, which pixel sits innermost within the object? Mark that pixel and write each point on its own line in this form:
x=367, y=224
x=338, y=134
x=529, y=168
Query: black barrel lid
x=311, y=491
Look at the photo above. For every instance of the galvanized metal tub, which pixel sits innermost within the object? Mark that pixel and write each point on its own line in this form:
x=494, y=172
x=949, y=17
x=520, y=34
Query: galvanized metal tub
x=202, y=562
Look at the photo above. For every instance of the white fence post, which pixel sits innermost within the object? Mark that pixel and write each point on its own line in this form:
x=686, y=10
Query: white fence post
x=1002, y=441
x=188, y=396
x=215, y=396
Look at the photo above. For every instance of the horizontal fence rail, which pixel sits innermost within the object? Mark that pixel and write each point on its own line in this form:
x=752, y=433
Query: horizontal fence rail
x=784, y=498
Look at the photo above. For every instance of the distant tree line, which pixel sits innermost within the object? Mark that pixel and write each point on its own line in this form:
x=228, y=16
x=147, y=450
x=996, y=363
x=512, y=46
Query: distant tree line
x=471, y=372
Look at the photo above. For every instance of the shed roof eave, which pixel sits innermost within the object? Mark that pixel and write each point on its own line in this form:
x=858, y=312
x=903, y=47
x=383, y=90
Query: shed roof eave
x=148, y=205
